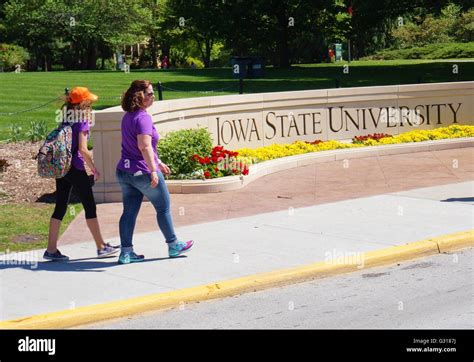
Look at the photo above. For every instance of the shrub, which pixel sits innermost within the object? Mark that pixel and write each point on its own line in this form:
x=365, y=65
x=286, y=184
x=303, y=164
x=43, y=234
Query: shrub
x=432, y=51
x=178, y=147
x=109, y=64
x=15, y=132
x=38, y=131
x=420, y=31
x=189, y=61
x=11, y=56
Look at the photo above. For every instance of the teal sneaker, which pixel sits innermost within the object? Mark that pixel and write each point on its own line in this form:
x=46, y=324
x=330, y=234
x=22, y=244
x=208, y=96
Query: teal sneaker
x=131, y=257
x=180, y=248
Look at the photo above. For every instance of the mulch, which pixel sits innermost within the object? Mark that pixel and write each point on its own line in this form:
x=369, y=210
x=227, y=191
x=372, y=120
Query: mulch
x=19, y=180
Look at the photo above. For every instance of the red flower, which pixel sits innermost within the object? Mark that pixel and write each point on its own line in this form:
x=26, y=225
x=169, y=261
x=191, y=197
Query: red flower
x=375, y=136
x=245, y=171
x=207, y=174
x=314, y=142
x=216, y=169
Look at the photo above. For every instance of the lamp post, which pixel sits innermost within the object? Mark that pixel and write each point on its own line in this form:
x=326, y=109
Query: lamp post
x=349, y=10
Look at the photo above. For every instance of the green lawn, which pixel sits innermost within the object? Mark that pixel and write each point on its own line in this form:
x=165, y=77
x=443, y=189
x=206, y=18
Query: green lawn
x=25, y=226
x=20, y=91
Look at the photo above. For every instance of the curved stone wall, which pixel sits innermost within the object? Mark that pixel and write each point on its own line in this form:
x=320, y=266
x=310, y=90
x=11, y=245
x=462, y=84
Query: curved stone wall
x=255, y=120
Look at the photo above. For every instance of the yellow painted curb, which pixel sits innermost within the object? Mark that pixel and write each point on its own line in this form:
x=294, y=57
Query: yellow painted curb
x=155, y=302
x=454, y=241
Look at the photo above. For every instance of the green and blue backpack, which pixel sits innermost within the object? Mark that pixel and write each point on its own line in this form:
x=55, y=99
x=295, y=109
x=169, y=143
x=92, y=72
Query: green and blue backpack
x=55, y=156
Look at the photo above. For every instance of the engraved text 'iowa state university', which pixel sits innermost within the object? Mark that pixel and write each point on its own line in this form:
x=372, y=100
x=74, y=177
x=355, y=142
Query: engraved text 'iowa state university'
x=292, y=124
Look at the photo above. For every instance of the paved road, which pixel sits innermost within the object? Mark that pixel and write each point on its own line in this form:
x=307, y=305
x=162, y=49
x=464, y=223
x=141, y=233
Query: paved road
x=433, y=292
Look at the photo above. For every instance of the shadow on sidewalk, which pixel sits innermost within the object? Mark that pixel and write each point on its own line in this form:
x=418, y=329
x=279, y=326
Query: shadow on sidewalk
x=459, y=199
x=79, y=265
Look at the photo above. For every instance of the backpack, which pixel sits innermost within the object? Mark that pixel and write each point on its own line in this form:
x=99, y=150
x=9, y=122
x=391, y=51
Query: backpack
x=55, y=156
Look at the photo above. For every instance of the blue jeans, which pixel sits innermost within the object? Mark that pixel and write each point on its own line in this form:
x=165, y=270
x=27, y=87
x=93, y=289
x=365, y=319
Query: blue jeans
x=133, y=190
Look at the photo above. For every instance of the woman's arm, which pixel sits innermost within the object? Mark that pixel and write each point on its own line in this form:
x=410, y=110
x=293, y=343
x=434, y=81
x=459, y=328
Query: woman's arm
x=86, y=154
x=145, y=147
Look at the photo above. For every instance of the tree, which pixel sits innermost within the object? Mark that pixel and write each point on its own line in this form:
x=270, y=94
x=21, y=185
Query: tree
x=2, y=20
x=98, y=28
x=76, y=31
x=281, y=31
x=200, y=20
x=162, y=29
x=374, y=21
x=31, y=25
x=465, y=27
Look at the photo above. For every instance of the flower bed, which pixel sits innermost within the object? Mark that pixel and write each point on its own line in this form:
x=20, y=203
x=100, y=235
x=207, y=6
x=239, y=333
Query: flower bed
x=283, y=150
x=453, y=131
x=375, y=136
x=220, y=163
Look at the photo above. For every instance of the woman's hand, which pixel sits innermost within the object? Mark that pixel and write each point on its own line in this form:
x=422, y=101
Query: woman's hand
x=96, y=174
x=164, y=168
x=154, y=179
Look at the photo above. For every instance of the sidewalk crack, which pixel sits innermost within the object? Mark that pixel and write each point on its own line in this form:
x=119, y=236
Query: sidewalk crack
x=142, y=281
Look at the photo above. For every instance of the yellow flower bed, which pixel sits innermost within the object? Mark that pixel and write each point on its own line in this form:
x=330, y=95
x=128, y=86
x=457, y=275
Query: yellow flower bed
x=453, y=131
x=299, y=147
x=283, y=150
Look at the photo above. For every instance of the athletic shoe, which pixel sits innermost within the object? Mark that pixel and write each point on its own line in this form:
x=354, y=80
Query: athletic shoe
x=180, y=248
x=113, y=246
x=106, y=251
x=131, y=257
x=57, y=256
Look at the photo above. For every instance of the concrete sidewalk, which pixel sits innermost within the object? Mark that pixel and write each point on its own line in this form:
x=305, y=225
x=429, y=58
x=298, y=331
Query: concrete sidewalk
x=232, y=248
x=310, y=185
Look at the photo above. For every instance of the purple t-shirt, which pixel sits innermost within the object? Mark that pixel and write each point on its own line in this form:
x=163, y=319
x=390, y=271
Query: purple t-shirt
x=77, y=159
x=133, y=124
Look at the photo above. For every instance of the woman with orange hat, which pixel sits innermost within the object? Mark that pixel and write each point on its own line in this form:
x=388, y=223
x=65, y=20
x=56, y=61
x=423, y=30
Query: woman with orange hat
x=77, y=112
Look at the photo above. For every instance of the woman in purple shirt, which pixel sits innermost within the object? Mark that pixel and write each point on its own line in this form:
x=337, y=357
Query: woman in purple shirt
x=77, y=112
x=140, y=173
